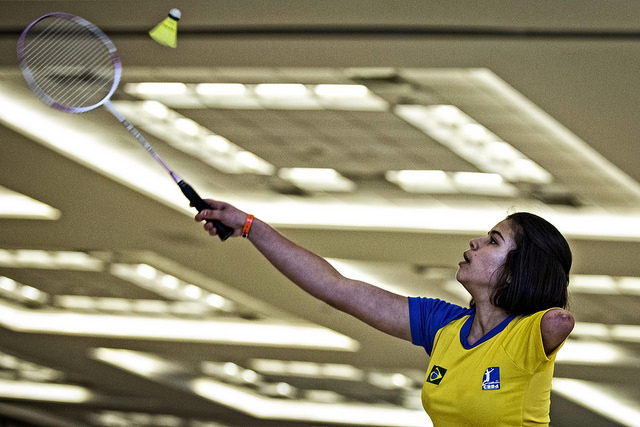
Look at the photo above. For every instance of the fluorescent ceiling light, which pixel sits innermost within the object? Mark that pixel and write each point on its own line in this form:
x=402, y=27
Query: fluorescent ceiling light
x=75, y=302
x=158, y=88
x=156, y=109
x=48, y=392
x=7, y=284
x=168, y=286
x=15, y=291
x=568, y=142
x=269, y=90
x=218, y=144
x=302, y=369
x=191, y=138
x=598, y=284
x=221, y=89
x=628, y=285
x=595, y=353
x=502, y=152
x=615, y=225
x=253, y=163
x=592, y=284
x=239, y=332
x=16, y=205
x=437, y=217
x=191, y=309
x=477, y=179
x=134, y=361
x=187, y=126
x=317, y=179
x=54, y=260
x=470, y=140
x=29, y=371
x=422, y=181
x=263, y=407
x=286, y=96
x=227, y=95
x=111, y=418
x=293, y=96
x=389, y=381
x=230, y=371
x=252, y=402
x=605, y=401
x=629, y=333
x=29, y=293
x=114, y=305
x=441, y=182
x=341, y=91
x=83, y=141
x=489, y=184
x=624, y=333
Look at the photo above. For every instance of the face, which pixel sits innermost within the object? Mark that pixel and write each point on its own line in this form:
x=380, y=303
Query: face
x=485, y=255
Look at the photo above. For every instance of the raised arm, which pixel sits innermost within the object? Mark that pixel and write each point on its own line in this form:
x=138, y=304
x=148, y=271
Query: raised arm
x=385, y=311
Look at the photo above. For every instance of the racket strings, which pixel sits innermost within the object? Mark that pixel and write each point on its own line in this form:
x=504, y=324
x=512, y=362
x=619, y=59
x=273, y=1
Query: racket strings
x=68, y=50
x=69, y=63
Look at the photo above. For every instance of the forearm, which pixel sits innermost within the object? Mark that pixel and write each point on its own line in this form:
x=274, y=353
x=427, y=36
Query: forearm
x=377, y=307
x=307, y=270
x=385, y=311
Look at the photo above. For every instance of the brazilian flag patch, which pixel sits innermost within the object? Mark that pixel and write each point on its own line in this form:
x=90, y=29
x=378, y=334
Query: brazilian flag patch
x=436, y=374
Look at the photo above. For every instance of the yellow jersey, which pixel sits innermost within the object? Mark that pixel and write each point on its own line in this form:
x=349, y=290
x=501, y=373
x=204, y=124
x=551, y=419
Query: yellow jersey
x=504, y=379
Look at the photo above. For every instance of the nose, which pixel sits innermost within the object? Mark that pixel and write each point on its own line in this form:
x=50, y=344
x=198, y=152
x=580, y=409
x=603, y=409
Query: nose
x=473, y=244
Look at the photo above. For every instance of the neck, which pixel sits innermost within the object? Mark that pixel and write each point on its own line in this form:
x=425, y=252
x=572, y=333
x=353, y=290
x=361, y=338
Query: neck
x=487, y=317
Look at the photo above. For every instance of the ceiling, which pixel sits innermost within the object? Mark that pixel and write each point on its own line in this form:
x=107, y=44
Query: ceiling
x=557, y=81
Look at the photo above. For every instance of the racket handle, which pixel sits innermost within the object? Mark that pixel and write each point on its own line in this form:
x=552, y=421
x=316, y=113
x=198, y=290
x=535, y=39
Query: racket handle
x=224, y=232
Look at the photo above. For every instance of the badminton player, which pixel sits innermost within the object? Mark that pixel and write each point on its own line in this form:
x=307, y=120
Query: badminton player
x=490, y=364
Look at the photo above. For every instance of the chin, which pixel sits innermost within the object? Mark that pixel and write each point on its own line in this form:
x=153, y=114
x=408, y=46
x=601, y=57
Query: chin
x=460, y=279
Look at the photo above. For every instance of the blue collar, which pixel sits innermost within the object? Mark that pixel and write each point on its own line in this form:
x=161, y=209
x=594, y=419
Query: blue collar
x=466, y=328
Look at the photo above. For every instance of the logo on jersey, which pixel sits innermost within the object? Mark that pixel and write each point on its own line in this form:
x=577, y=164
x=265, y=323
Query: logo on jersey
x=491, y=379
x=436, y=374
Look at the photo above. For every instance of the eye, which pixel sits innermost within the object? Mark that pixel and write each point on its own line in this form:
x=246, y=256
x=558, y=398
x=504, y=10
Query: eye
x=492, y=241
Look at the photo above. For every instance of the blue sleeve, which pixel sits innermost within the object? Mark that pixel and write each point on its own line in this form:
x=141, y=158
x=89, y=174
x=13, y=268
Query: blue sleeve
x=428, y=315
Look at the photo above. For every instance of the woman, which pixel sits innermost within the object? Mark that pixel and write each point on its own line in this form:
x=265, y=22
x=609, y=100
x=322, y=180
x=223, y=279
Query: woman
x=490, y=364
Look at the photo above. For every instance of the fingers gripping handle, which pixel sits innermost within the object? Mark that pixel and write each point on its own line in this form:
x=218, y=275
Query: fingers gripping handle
x=224, y=232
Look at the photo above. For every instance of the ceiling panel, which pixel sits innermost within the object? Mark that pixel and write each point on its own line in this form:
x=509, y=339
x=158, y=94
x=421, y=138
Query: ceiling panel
x=555, y=81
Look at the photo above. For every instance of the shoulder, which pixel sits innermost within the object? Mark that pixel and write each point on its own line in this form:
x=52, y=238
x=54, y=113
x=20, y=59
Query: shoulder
x=557, y=319
x=556, y=325
x=436, y=310
x=428, y=315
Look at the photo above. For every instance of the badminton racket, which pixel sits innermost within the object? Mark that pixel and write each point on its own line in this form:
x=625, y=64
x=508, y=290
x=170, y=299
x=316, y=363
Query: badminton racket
x=72, y=66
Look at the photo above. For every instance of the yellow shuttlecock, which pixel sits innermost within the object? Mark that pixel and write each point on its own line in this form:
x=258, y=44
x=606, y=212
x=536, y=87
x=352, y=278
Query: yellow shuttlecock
x=166, y=32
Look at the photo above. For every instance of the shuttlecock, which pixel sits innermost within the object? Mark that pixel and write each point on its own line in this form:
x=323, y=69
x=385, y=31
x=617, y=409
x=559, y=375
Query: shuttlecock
x=166, y=32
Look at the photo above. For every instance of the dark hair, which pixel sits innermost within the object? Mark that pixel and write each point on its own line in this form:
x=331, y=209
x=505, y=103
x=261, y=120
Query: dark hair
x=535, y=275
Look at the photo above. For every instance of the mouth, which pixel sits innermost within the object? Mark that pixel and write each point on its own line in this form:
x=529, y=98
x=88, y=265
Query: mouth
x=466, y=257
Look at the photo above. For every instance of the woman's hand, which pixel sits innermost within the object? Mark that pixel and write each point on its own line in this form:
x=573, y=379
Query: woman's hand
x=223, y=212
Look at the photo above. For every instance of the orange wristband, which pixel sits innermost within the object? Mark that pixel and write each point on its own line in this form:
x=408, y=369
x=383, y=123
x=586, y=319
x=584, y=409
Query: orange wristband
x=247, y=226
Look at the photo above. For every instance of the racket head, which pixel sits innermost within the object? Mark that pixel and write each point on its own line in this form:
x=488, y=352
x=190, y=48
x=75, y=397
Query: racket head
x=68, y=62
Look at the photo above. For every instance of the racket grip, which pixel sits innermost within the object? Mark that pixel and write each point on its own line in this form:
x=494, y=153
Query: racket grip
x=224, y=232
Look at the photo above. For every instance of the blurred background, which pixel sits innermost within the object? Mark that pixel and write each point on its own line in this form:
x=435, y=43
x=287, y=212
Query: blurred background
x=381, y=135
